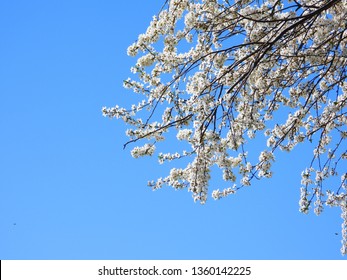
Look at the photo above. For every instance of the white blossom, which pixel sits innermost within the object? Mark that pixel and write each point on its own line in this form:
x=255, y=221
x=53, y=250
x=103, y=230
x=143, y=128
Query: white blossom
x=231, y=77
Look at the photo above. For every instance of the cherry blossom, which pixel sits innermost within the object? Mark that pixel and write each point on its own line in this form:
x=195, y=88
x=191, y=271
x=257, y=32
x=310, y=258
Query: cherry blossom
x=223, y=75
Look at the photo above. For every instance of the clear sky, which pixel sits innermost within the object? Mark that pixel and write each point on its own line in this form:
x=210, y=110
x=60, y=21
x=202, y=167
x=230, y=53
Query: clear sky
x=68, y=190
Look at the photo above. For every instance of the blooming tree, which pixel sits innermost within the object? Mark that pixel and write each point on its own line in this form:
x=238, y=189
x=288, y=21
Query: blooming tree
x=227, y=74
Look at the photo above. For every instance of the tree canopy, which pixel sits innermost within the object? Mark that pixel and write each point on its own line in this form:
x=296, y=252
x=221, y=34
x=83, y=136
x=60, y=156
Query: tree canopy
x=228, y=74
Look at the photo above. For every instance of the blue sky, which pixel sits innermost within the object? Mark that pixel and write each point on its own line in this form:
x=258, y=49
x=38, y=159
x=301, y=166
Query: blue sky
x=68, y=190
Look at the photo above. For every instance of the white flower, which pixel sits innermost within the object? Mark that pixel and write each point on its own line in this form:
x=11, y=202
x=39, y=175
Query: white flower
x=143, y=151
x=184, y=134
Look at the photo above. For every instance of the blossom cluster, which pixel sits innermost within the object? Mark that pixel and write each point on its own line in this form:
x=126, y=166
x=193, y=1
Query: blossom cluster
x=227, y=74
